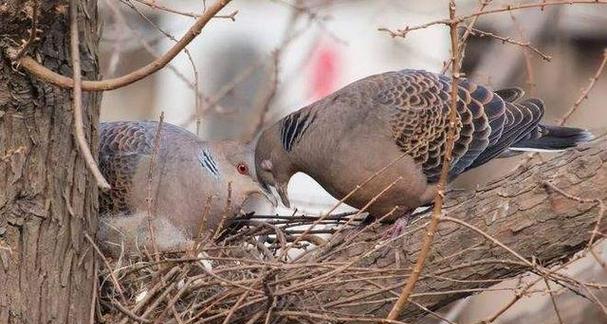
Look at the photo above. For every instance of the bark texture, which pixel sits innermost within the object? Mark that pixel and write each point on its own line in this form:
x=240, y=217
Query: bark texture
x=48, y=200
x=519, y=211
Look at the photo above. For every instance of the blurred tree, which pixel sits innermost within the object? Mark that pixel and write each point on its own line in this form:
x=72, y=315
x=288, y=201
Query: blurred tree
x=229, y=61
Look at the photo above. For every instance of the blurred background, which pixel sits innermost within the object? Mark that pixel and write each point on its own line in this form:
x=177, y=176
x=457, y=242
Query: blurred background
x=265, y=59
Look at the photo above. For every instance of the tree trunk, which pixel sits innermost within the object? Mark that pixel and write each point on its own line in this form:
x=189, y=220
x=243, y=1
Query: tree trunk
x=48, y=199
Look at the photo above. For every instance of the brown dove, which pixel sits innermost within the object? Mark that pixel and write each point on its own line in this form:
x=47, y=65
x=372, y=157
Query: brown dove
x=348, y=136
x=192, y=180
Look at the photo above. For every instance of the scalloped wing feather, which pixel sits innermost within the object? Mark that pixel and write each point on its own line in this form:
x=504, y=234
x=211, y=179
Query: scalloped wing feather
x=419, y=102
x=122, y=145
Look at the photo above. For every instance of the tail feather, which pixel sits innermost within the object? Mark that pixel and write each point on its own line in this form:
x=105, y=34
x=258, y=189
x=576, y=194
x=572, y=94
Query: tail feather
x=552, y=138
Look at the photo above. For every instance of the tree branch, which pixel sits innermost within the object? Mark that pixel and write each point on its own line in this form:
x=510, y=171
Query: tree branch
x=43, y=73
x=403, y=298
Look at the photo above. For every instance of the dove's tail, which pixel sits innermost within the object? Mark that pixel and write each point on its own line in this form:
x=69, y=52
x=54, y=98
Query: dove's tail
x=551, y=138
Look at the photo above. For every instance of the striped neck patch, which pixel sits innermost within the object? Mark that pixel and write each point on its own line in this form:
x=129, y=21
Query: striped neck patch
x=207, y=162
x=294, y=127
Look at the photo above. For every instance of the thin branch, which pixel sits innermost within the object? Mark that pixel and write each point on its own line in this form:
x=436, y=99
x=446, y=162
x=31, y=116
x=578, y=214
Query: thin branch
x=267, y=98
x=586, y=90
x=236, y=305
x=596, y=300
x=213, y=101
x=553, y=299
x=463, y=41
x=599, y=218
x=44, y=74
x=290, y=34
x=128, y=313
x=490, y=238
x=519, y=294
x=77, y=101
x=150, y=188
x=528, y=65
x=226, y=212
x=156, y=5
x=193, y=85
x=333, y=318
x=162, y=284
x=403, y=32
x=526, y=45
x=403, y=299
x=196, y=85
x=107, y=264
x=95, y=292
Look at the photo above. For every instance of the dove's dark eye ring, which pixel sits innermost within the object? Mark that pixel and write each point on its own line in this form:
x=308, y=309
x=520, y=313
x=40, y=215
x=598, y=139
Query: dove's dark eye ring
x=242, y=168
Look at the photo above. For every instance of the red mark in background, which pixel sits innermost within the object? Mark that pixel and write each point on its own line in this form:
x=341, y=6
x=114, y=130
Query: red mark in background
x=325, y=70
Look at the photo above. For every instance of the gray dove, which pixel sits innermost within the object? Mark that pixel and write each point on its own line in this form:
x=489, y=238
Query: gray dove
x=346, y=137
x=192, y=180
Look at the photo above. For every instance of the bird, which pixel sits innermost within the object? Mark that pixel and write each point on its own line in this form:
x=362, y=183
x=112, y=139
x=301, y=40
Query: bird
x=163, y=174
x=401, y=117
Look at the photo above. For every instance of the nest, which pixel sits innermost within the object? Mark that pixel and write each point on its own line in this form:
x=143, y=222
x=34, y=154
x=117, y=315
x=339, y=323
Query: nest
x=254, y=272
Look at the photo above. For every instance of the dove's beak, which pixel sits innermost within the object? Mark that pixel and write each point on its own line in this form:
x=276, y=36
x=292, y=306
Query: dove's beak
x=256, y=201
x=268, y=195
x=271, y=198
x=265, y=194
x=284, y=196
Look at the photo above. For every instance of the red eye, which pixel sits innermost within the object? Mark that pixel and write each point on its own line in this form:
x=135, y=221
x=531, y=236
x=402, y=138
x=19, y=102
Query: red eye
x=242, y=168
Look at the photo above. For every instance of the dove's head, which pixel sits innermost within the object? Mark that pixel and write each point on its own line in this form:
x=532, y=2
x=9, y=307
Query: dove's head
x=240, y=172
x=273, y=166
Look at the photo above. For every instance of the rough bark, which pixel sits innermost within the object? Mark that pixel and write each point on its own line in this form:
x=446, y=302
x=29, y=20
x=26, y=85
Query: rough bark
x=48, y=200
x=519, y=211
